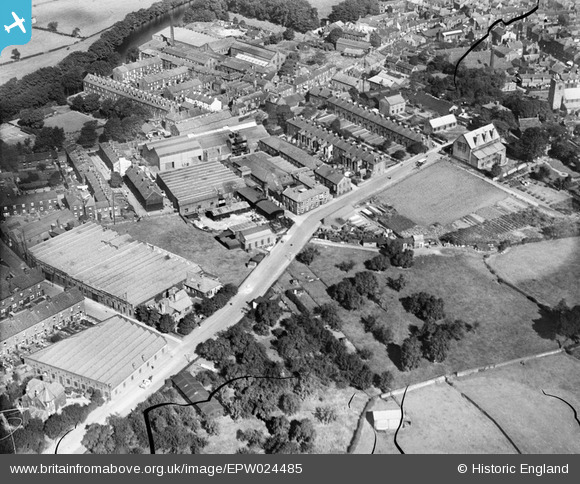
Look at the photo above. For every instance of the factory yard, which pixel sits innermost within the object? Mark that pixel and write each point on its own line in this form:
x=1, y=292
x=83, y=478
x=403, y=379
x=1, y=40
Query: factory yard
x=171, y=233
x=440, y=193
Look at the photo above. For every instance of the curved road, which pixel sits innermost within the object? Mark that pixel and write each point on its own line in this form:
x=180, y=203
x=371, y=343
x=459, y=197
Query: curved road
x=255, y=285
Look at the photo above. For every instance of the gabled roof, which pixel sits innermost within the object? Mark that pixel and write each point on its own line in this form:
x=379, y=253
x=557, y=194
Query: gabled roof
x=481, y=136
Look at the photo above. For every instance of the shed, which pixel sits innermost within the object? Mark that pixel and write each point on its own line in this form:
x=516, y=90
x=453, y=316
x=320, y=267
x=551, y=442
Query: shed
x=386, y=419
x=194, y=392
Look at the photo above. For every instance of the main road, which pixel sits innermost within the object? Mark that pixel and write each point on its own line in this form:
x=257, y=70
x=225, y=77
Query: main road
x=255, y=285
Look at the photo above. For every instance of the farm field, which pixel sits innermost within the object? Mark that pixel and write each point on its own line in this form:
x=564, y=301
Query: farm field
x=41, y=41
x=440, y=193
x=91, y=16
x=513, y=397
x=470, y=292
x=173, y=234
x=443, y=422
x=548, y=270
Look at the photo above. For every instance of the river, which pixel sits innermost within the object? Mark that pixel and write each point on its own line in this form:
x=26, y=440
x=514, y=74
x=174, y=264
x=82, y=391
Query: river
x=145, y=32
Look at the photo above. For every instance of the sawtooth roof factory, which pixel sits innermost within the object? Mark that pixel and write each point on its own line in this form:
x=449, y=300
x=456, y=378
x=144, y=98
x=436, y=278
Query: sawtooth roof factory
x=110, y=268
x=106, y=357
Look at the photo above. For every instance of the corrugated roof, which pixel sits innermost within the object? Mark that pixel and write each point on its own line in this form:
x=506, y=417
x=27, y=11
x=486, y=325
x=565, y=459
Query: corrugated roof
x=107, y=353
x=115, y=264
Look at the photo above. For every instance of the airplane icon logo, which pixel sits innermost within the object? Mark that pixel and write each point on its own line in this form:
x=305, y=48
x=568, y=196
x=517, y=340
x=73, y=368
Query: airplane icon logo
x=18, y=22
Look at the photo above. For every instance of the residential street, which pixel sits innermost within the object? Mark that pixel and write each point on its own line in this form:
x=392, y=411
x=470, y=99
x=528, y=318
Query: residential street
x=255, y=285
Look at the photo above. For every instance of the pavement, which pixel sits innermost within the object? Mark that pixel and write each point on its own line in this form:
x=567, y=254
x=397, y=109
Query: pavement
x=255, y=285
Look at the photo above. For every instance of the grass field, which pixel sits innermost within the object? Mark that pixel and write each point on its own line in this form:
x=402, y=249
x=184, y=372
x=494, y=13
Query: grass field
x=41, y=41
x=443, y=422
x=90, y=16
x=548, y=271
x=513, y=397
x=440, y=193
x=173, y=234
x=71, y=121
x=470, y=292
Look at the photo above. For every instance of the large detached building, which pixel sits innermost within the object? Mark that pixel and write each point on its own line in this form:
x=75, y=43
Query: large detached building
x=481, y=148
x=108, y=357
x=110, y=268
x=201, y=187
x=173, y=153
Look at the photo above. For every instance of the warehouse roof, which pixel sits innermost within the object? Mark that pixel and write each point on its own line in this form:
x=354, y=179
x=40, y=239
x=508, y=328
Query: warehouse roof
x=201, y=181
x=107, y=353
x=115, y=264
x=172, y=146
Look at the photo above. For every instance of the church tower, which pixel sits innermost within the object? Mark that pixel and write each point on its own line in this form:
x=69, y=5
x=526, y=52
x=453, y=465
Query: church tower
x=556, y=93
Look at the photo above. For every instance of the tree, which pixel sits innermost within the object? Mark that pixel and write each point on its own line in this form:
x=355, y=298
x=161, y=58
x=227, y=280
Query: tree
x=88, y=135
x=375, y=39
x=397, y=284
x=533, y=143
x=416, y=148
x=268, y=312
x=496, y=170
x=76, y=32
x=325, y=415
x=378, y=263
x=186, y=325
x=411, y=352
x=32, y=118
x=436, y=344
x=278, y=425
x=116, y=180
x=289, y=34
x=52, y=26
x=91, y=103
x=334, y=35
x=77, y=103
x=329, y=314
x=366, y=283
x=403, y=259
x=307, y=255
x=302, y=431
x=383, y=334
x=166, y=324
x=383, y=381
x=424, y=306
x=98, y=439
x=399, y=154
x=346, y=266
x=15, y=54
x=289, y=403
x=346, y=295
x=49, y=139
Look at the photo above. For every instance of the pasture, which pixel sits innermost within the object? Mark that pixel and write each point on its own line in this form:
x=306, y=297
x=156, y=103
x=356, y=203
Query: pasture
x=41, y=41
x=548, y=270
x=499, y=411
x=512, y=396
x=506, y=318
x=440, y=193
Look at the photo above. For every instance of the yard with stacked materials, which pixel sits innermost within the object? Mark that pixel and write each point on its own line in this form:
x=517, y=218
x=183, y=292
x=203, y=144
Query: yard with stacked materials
x=174, y=235
x=548, y=271
x=440, y=193
x=507, y=320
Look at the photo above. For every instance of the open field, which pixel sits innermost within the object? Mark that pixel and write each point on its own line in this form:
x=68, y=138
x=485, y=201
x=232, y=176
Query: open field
x=513, y=397
x=41, y=41
x=440, y=193
x=70, y=121
x=548, y=271
x=90, y=16
x=173, y=234
x=470, y=292
x=443, y=422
